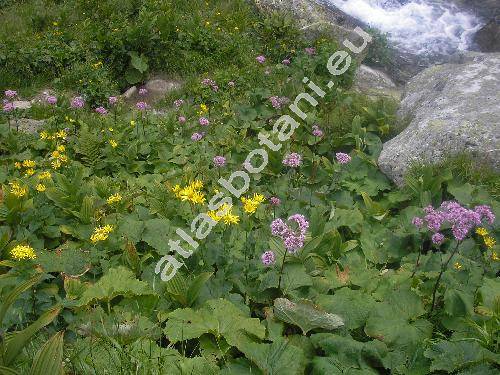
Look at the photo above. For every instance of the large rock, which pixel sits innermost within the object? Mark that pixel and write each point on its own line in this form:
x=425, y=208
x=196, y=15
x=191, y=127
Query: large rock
x=487, y=39
x=450, y=109
x=375, y=83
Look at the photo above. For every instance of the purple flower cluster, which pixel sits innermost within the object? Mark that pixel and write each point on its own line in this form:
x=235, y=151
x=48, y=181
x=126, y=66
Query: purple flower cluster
x=112, y=100
x=462, y=220
x=178, y=103
x=101, y=110
x=197, y=136
x=142, y=106
x=204, y=121
x=293, y=237
x=274, y=201
x=219, y=161
x=211, y=83
x=342, y=158
x=261, y=59
x=278, y=102
x=77, y=102
x=182, y=119
x=292, y=160
x=286, y=62
x=52, y=100
x=143, y=91
x=268, y=258
x=8, y=107
x=11, y=94
x=317, y=132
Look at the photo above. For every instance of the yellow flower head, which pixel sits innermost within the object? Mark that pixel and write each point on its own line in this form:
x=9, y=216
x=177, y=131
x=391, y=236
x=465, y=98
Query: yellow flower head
x=132, y=123
x=18, y=190
x=115, y=198
x=176, y=190
x=482, y=231
x=111, y=129
x=44, y=175
x=203, y=108
x=250, y=205
x=29, y=164
x=56, y=154
x=489, y=241
x=457, y=266
x=225, y=214
x=40, y=187
x=494, y=256
x=61, y=134
x=44, y=135
x=61, y=148
x=101, y=233
x=18, y=165
x=113, y=143
x=30, y=172
x=56, y=164
x=21, y=252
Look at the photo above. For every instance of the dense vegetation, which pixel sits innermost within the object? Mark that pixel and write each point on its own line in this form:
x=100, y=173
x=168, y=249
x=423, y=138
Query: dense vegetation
x=364, y=278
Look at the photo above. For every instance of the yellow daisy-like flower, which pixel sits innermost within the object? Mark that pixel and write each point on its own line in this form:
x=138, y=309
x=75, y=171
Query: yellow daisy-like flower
x=30, y=172
x=197, y=184
x=56, y=154
x=56, y=164
x=21, y=252
x=40, y=187
x=61, y=134
x=63, y=158
x=111, y=130
x=203, y=108
x=489, y=241
x=224, y=213
x=113, y=143
x=132, y=123
x=494, y=256
x=18, y=165
x=482, y=231
x=18, y=190
x=457, y=266
x=250, y=205
x=101, y=233
x=176, y=190
x=115, y=198
x=198, y=198
x=29, y=164
x=44, y=135
x=61, y=148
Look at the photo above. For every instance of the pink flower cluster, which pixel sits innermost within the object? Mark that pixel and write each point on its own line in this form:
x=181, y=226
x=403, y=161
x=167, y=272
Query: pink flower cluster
x=142, y=106
x=8, y=107
x=11, y=94
x=52, y=100
x=102, y=111
x=219, y=161
x=204, y=121
x=261, y=59
x=293, y=238
x=268, y=258
x=143, y=91
x=112, y=100
x=278, y=102
x=77, y=102
x=317, y=132
x=197, y=136
x=293, y=160
x=462, y=220
x=211, y=83
x=310, y=51
x=274, y=201
x=178, y=103
x=286, y=62
x=342, y=158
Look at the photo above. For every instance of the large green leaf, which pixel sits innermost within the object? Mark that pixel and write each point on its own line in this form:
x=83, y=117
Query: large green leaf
x=48, y=359
x=156, y=234
x=16, y=292
x=305, y=315
x=118, y=281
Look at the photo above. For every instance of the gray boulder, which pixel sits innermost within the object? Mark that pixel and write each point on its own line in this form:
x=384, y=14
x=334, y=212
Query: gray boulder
x=375, y=83
x=448, y=109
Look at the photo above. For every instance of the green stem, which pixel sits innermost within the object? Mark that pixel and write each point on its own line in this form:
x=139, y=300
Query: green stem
x=443, y=268
x=281, y=271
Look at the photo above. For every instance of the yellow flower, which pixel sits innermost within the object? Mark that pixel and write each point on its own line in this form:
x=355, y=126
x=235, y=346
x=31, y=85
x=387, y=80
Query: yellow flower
x=30, y=172
x=18, y=165
x=21, y=252
x=63, y=158
x=56, y=164
x=198, y=197
x=18, y=190
x=113, y=143
x=56, y=154
x=132, y=123
x=482, y=231
x=176, y=190
x=224, y=213
x=207, y=23
x=197, y=184
x=40, y=187
x=457, y=266
x=494, y=256
x=489, y=241
x=250, y=205
x=114, y=198
x=55, y=23
x=29, y=164
x=61, y=134
x=110, y=129
x=44, y=175
x=101, y=233
x=203, y=108
x=61, y=148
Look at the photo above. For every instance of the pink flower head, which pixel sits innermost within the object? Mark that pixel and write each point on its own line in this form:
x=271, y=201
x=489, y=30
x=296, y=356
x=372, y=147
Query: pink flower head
x=143, y=91
x=486, y=213
x=274, y=201
x=219, y=161
x=317, y=132
x=204, y=121
x=77, y=102
x=182, y=119
x=293, y=160
x=278, y=102
x=196, y=137
x=10, y=94
x=268, y=258
x=286, y=62
x=178, y=103
x=310, y=51
x=437, y=238
x=231, y=84
x=52, y=100
x=8, y=107
x=112, y=100
x=342, y=158
x=261, y=59
x=102, y=111
x=278, y=227
x=418, y=222
x=141, y=106
x=293, y=237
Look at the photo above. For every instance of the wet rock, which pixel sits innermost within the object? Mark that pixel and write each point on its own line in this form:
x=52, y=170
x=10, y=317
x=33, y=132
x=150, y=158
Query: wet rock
x=130, y=92
x=449, y=109
x=487, y=39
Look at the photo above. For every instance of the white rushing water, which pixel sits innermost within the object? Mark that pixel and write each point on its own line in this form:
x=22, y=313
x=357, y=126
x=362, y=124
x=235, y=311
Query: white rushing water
x=423, y=27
